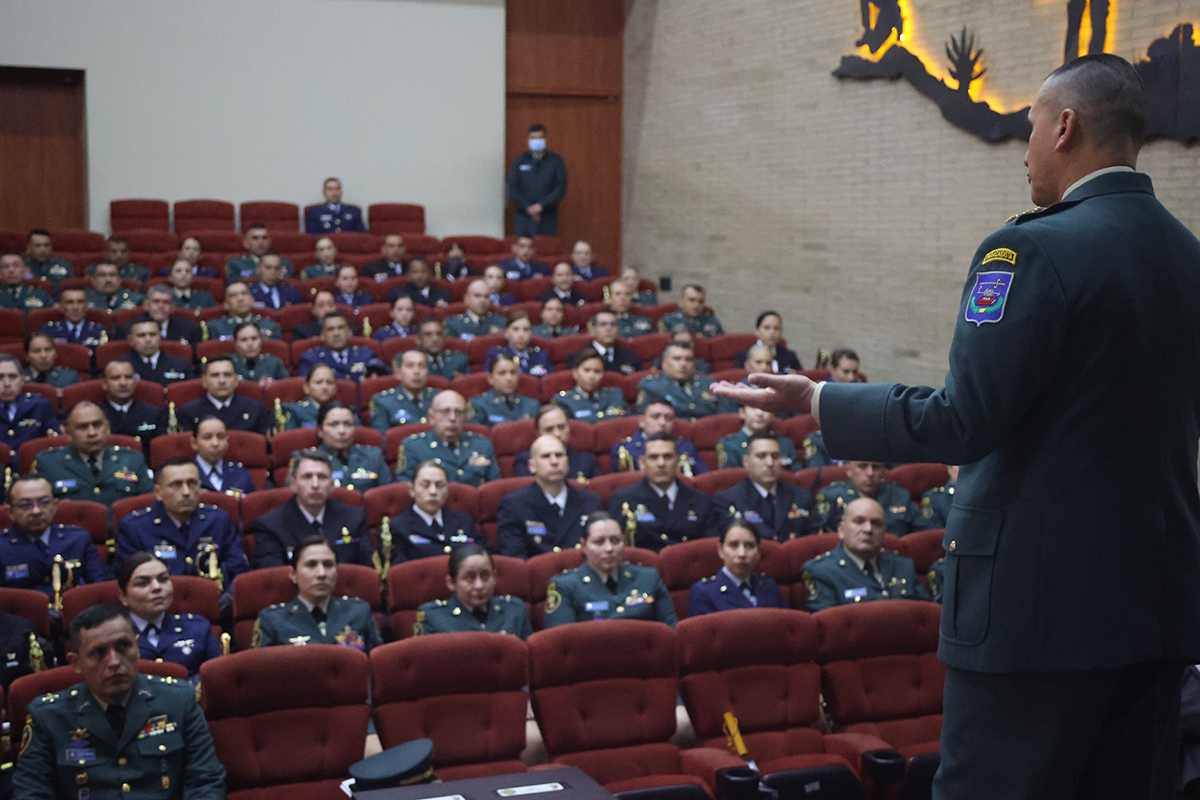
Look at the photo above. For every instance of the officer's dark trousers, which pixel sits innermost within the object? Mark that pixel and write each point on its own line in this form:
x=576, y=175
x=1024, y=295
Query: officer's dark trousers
x=1086, y=735
x=545, y=225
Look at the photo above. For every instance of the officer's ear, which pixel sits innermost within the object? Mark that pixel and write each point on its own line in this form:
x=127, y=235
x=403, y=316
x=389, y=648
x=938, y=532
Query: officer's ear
x=450, y=585
x=72, y=658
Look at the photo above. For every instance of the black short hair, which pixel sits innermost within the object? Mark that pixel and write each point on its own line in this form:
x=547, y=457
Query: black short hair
x=334, y=315
x=537, y=127
x=143, y=319
x=430, y=464
x=461, y=554
x=37, y=232
x=243, y=327
x=761, y=436
x=311, y=541
x=431, y=321
x=740, y=522
x=217, y=360
x=16, y=253
x=29, y=337
x=331, y=405
x=759, y=319
x=584, y=355
x=210, y=418
x=28, y=478
x=694, y=286
x=1107, y=93
x=836, y=356
x=129, y=565
x=175, y=461
x=115, y=239
x=662, y=437
x=308, y=378
x=94, y=617
x=595, y=518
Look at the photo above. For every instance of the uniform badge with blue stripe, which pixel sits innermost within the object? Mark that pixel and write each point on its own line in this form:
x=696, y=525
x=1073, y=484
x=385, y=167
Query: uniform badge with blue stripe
x=990, y=293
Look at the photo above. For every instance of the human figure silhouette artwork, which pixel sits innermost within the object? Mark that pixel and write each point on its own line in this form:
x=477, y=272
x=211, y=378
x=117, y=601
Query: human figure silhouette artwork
x=1099, y=20
x=888, y=18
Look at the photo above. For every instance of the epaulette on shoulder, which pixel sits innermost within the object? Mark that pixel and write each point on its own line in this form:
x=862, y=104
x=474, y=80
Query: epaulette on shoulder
x=140, y=512
x=563, y=393
x=1019, y=218
x=49, y=697
x=191, y=616
x=822, y=555
x=441, y=603
x=162, y=679
x=275, y=605
x=706, y=580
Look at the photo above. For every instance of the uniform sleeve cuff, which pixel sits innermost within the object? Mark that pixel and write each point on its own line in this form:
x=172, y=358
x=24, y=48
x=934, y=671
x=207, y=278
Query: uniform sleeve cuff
x=816, y=403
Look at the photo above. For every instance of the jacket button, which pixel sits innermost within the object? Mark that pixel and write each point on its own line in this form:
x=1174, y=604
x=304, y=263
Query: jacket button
x=125, y=788
x=122, y=761
x=953, y=546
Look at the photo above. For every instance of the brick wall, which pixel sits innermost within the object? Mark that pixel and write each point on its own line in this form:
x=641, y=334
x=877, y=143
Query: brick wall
x=851, y=207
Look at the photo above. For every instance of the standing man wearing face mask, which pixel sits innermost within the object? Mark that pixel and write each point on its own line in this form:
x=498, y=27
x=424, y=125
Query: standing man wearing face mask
x=537, y=181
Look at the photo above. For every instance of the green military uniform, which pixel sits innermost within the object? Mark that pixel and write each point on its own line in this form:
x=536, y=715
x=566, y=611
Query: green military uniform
x=467, y=325
x=630, y=325
x=265, y=366
x=53, y=269
x=690, y=400
x=58, y=377
x=196, y=299
x=349, y=622
x=360, y=467
x=24, y=298
x=899, y=510
x=815, y=454
x=731, y=450
x=579, y=595
x=935, y=505
x=473, y=461
x=449, y=364
x=505, y=614
x=606, y=402
x=165, y=750
x=397, y=406
x=319, y=271
x=546, y=332
x=122, y=300
x=123, y=473
x=225, y=327
x=298, y=415
x=702, y=366
x=703, y=325
x=834, y=579
x=135, y=271
x=492, y=408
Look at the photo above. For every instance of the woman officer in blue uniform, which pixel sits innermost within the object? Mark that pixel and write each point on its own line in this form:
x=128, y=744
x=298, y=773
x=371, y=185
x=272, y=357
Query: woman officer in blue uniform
x=736, y=585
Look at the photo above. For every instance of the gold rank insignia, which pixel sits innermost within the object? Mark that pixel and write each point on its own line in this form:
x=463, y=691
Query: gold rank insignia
x=26, y=735
x=553, y=598
x=401, y=459
x=722, y=456
x=418, y=626
x=810, y=586
x=256, y=639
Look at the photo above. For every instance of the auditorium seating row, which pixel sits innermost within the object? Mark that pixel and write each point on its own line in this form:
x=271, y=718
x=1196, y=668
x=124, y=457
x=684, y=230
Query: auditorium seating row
x=279, y=216
x=874, y=665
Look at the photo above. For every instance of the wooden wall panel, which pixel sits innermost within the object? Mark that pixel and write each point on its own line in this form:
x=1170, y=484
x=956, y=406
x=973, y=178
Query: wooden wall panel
x=43, y=163
x=566, y=70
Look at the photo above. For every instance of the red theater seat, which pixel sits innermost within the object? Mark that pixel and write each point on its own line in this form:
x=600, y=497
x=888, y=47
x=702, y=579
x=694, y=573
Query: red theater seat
x=919, y=478
x=204, y=215
x=139, y=214
x=193, y=595
x=276, y=215
x=29, y=604
x=404, y=218
x=683, y=564
x=923, y=547
x=465, y=691
x=613, y=717
x=277, y=742
x=255, y=590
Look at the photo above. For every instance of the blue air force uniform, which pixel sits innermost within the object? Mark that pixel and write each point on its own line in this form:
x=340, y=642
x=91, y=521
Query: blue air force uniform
x=354, y=362
x=183, y=639
x=660, y=521
x=328, y=218
x=183, y=548
x=468, y=325
x=163, y=370
x=899, y=510
x=24, y=298
x=413, y=537
x=531, y=361
x=580, y=595
x=277, y=533
x=355, y=300
x=28, y=562
x=731, y=451
x=123, y=473
x=238, y=413
x=492, y=408
x=87, y=333
x=790, y=513
x=360, y=467
x=392, y=331
x=935, y=505
x=624, y=455
x=226, y=477
x=515, y=270
x=604, y=403
x=398, y=406
x=503, y=614
x=722, y=592
x=348, y=622
x=449, y=364
x=581, y=465
x=834, y=579
x=136, y=419
x=472, y=460
x=704, y=325
x=276, y=297
x=527, y=524
x=165, y=749
x=58, y=377
x=691, y=399
x=29, y=416
x=226, y=327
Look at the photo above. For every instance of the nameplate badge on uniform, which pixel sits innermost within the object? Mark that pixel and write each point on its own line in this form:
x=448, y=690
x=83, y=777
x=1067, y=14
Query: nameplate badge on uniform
x=583, y=412
x=415, y=539
x=753, y=516
x=165, y=551
x=599, y=605
x=988, y=297
x=80, y=754
x=67, y=484
x=16, y=571
x=859, y=592
x=337, y=476
x=533, y=528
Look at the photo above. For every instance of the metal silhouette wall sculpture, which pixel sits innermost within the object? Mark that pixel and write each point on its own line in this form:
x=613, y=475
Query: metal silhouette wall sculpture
x=1170, y=71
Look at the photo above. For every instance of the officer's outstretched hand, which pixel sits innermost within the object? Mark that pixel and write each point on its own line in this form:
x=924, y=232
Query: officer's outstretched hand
x=770, y=392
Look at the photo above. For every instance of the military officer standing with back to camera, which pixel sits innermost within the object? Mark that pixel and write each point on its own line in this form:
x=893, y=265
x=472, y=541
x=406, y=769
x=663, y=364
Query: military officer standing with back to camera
x=88, y=468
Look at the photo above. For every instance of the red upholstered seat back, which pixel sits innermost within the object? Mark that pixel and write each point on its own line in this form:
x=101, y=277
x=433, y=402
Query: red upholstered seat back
x=465, y=691
x=283, y=715
x=193, y=595
x=604, y=684
x=626, y=763
x=255, y=590
x=758, y=663
x=28, y=603
x=880, y=672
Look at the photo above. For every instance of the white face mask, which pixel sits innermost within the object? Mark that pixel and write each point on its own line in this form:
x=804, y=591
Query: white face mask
x=537, y=145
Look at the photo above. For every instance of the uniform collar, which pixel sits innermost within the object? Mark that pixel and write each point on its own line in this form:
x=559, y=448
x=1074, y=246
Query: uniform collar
x=426, y=518
x=1091, y=175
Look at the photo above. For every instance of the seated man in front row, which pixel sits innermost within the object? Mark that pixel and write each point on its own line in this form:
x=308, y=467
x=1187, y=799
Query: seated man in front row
x=221, y=400
x=105, y=722
x=865, y=479
x=311, y=510
x=547, y=515
x=466, y=456
x=859, y=569
x=664, y=509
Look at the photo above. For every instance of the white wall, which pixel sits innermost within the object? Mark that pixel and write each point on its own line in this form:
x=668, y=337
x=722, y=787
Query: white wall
x=262, y=99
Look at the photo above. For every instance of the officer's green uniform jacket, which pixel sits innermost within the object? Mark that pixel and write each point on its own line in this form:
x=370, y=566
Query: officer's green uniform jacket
x=68, y=748
x=473, y=461
x=349, y=622
x=833, y=579
x=703, y=325
x=815, y=454
x=135, y=271
x=123, y=473
x=298, y=415
x=630, y=325
x=899, y=510
x=53, y=269
x=546, y=332
x=505, y=614
x=24, y=298
x=491, y=408
x=690, y=400
x=361, y=467
x=579, y=595
x=58, y=377
x=120, y=301
x=319, y=271
x=606, y=402
x=467, y=325
x=224, y=327
x=397, y=406
x=935, y=505
x=731, y=450
x=196, y=300
x=243, y=267
x=265, y=366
